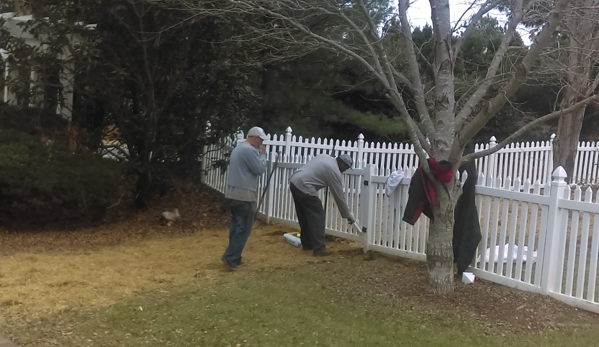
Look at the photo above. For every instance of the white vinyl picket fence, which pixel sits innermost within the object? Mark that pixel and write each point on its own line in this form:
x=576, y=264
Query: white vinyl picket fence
x=540, y=237
x=526, y=160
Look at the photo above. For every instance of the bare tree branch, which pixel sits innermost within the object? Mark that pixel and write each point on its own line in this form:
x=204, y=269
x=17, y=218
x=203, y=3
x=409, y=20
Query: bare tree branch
x=317, y=37
x=482, y=90
x=415, y=78
x=474, y=20
x=371, y=49
x=379, y=47
x=496, y=103
x=529, y=126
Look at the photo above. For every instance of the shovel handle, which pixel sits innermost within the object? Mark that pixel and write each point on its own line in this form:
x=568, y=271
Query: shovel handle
x=267, y=183
x=270, y=176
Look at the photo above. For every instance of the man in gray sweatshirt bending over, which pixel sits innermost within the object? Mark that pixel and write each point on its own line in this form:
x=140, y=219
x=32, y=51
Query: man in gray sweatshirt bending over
x=320, y=172
x=248, y=161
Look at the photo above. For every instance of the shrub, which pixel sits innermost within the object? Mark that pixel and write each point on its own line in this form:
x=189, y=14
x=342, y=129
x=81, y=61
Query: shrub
x=32, y=121
x=43, y=183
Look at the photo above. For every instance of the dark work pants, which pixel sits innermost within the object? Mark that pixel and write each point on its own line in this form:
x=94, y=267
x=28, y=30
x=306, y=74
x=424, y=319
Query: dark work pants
x=242, y=219
x=311, y=217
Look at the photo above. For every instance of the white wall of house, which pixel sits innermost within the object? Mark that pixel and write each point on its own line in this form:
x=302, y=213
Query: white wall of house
x=14, y=24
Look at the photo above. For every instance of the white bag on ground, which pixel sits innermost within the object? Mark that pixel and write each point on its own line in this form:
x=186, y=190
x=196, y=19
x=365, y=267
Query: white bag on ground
x=292, y=239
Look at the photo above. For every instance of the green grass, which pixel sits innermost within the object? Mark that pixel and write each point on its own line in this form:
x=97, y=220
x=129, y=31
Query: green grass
x=315, y=305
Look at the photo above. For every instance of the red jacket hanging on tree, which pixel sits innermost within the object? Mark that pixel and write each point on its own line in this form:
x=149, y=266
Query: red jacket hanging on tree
x=422, y=195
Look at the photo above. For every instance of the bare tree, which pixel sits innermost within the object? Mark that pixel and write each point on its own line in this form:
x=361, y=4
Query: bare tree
x=581, y=30
x=439, y=124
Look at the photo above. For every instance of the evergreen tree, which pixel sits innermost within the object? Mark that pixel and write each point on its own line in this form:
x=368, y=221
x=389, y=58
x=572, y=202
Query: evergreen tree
x=324, y=94
x=154, y=76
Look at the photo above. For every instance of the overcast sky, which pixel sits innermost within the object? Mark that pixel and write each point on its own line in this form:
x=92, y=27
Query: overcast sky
x=420, y=14
x=420, y=11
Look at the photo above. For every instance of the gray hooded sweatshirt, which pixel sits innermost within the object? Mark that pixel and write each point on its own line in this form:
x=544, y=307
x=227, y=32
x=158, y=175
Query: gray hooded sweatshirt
x=244, y=168
x=320, y=172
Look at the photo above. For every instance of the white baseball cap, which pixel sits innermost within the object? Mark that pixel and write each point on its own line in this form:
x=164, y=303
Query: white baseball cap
x=257, y=131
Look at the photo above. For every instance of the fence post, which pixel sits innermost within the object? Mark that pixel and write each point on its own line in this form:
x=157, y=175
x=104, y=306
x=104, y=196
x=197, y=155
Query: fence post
x=287, y=144
x=492, y=160
x=550, y=159
x=360, y=155
x=204, y=155
x=552, y=245
x=367, y=203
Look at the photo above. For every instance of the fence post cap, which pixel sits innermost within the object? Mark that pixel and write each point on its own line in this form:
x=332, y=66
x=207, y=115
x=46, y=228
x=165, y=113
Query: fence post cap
x=361, y=136
x=559, y=174
x=493, y=139
x=553, y=136
x=288, y=129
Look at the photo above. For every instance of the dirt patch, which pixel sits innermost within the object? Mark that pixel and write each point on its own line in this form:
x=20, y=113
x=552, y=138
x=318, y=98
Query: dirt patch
x=277, y=233
x=351, y=252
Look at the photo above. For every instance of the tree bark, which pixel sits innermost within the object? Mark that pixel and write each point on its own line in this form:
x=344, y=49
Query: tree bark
x=439, y=250
x=566, y=142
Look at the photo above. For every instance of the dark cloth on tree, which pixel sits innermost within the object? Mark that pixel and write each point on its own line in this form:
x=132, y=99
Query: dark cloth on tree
x=422, y=195
x=311, y=218
x=466, y=227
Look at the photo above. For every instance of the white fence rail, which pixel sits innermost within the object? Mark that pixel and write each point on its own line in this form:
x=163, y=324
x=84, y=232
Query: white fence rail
x=527, y=160
x=537, y=237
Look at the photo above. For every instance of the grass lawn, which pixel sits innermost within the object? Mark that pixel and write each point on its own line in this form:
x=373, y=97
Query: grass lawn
x=133, y=282
x=319, y=304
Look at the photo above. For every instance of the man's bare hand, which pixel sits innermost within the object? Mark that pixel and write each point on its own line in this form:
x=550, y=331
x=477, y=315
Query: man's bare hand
x=262, y=149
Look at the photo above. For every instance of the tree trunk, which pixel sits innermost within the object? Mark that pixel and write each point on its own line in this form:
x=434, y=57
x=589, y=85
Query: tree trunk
x=439, y=250
x=73, y=131
x=566, y=142
x=143, y=187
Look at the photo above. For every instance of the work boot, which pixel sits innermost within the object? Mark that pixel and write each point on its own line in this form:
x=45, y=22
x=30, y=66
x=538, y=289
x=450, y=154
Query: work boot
x=322, y=253
x=228, y=265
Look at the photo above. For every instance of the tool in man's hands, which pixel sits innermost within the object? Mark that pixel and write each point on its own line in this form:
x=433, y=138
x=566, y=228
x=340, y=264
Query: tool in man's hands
x=326, y=191
x=357, y=226
x=274, y=168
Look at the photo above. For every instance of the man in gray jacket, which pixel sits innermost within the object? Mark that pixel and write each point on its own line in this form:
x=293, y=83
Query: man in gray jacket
x=248, y=161
x=320, y=172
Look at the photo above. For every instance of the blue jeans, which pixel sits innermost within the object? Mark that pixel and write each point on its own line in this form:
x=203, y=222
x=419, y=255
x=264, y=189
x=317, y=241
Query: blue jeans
x=242, y=218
